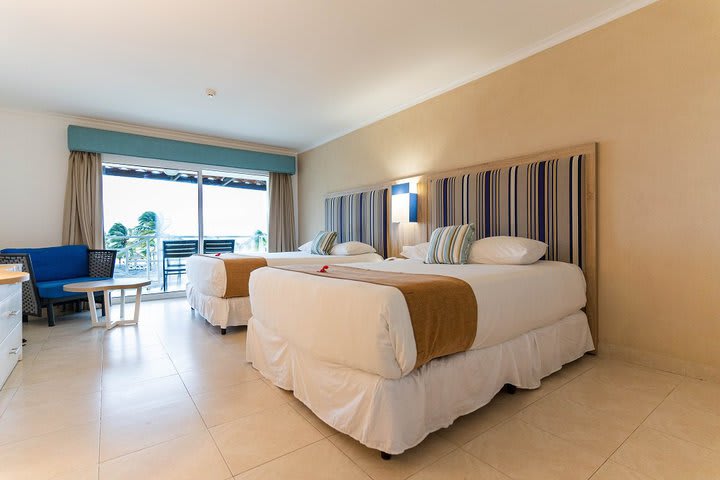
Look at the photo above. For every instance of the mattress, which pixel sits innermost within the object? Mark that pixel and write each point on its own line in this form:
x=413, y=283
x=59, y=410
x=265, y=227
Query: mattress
x=209, y=278
x=392, y=415
x=367, y=327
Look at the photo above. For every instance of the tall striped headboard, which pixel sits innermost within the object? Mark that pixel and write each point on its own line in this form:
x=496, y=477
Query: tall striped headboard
x=541, y=200
x=548, y=196
x=360, y=216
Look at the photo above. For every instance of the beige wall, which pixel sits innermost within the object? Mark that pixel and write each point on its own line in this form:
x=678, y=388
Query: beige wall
x=646, y=87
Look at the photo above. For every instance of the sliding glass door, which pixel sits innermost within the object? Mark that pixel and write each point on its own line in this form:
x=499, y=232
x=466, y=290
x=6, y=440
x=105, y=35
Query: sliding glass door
x=158, y=214
x=235, y=211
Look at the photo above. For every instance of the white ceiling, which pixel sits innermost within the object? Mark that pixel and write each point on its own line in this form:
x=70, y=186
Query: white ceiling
x=291, y=73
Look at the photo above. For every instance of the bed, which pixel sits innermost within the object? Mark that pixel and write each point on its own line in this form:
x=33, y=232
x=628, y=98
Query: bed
x=358, y=216
x=347, y=348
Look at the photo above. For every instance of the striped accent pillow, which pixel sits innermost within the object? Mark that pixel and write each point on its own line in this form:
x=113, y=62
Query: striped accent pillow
x=451, y=245
x=323, y=243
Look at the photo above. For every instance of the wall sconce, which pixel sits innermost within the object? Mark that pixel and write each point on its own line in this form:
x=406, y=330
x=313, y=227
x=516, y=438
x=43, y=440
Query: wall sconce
x=404, y=202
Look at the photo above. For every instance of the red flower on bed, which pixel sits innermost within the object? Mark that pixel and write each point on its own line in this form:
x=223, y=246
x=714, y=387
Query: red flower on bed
x=324, y=269
x=217, y=254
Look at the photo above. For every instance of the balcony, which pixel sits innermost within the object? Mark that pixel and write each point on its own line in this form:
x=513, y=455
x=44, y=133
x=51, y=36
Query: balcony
x=141, y=257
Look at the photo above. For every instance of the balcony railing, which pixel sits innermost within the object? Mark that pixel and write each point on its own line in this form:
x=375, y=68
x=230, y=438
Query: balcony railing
x=140, y=256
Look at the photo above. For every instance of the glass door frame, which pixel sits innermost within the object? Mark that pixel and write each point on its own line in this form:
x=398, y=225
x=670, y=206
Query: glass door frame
x=141, y=162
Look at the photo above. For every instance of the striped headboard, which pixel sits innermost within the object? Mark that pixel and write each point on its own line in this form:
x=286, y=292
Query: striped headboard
x=360, y=216
x=549, y=196
x=540, y=200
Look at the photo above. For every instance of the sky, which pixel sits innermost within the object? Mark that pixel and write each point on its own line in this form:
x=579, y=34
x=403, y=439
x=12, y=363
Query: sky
x=228, y=211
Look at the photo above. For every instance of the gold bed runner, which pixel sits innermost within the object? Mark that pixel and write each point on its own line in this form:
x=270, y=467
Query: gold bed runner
x=237, y=271
x=443, y=310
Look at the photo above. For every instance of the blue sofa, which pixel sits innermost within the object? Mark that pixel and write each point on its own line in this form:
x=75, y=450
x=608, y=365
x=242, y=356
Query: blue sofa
x=51, y=268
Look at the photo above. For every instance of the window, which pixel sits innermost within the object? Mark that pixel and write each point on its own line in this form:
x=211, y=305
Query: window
x=157, y=214
x=235, y=206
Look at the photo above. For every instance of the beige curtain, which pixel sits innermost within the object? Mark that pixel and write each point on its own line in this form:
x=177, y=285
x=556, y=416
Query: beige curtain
x=281, y=235
x=82, y=221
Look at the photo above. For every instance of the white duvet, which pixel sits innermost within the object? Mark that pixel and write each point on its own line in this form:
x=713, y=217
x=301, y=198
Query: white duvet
x=208, y=275
x=367, y=326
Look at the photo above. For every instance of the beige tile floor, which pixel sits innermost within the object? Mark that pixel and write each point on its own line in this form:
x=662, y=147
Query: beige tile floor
x=172, y=399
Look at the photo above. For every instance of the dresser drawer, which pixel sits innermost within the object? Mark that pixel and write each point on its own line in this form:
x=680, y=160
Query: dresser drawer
x=10, y=353
x=10, y=313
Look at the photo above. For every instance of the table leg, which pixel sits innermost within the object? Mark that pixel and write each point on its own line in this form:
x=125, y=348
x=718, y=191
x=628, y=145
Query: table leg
x=122, y=304
x=93, y=310
x=108, y=311
x=138, y=298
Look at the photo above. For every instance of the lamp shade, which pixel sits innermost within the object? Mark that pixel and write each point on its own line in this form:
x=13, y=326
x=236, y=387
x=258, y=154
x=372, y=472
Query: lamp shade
x=404, y=202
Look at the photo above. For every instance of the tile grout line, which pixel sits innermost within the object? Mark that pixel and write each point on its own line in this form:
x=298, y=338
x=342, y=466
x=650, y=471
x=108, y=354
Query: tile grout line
x=609, y=457
x=58, y=429
x=192, y=399
x=100, y=426
x=703, y=447
x=281, y=456
x=519, y=419
x=367, y=474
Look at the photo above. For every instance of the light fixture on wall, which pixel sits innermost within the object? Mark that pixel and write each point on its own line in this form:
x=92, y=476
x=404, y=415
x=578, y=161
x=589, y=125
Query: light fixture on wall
x=404, y=202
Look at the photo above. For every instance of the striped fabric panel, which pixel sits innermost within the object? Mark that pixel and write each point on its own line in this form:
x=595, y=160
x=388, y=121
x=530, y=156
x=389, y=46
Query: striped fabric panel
x=360, y=217
x=451, y=245
x=543, y=201
x=323, y=243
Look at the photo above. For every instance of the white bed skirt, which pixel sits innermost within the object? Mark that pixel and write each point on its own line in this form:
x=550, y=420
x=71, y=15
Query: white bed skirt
x=392, y=415
x=221, y=312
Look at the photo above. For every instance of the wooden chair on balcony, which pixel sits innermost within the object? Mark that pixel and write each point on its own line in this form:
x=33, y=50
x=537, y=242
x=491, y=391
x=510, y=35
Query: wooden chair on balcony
x=174, y=254
x=212, y=247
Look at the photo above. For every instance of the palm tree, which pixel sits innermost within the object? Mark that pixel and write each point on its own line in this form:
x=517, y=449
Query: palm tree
x=147, y=224
x=117, y=239
x=258, y=238
x=145, y=249
x=117, y=230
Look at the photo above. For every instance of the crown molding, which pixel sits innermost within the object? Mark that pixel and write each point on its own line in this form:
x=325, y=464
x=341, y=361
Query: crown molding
x=516, y=56
x=153, y=132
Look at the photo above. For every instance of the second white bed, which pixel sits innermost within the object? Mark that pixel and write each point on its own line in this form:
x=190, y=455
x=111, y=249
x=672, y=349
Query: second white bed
x=207, y=281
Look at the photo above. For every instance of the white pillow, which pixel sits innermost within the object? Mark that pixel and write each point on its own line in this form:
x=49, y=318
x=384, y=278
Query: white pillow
x=352, y=248
x=305, y=247
x=416, y=252
x=506, y=251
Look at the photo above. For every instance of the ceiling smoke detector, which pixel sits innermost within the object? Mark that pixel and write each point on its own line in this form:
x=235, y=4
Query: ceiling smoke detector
x=210, y=92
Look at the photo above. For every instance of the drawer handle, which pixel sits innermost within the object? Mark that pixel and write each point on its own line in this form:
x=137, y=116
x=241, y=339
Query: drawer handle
x=14, y=313
x=14, y=351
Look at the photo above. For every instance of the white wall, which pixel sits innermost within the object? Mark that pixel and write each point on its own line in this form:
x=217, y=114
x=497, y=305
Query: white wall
x=33, y=162
x=33, y=171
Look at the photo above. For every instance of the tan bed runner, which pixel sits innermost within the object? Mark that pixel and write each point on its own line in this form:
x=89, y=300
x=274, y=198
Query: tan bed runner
x=237, y=271
x=443, y=310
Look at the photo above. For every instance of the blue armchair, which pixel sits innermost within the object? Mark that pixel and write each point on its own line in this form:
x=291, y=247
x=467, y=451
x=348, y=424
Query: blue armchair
x=53, y=267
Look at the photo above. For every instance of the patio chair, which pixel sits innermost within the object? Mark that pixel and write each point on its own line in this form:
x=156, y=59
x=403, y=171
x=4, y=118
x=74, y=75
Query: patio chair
x=174, y=254
x=218, y=246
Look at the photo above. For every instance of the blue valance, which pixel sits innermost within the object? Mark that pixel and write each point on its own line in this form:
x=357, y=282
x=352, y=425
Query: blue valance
x=106, y=141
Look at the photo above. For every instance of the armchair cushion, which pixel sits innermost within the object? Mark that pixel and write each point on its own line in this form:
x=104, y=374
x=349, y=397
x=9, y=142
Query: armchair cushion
x=52, y=289
x=56, y=263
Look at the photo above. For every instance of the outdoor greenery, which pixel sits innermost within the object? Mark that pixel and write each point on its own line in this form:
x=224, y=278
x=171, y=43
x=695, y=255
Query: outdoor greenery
x=258, y=240
x=138, y=248
x=131, y=250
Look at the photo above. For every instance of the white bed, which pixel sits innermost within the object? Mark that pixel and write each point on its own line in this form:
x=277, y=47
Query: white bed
x=207, y=281
x=347, y=348
x=339, y=343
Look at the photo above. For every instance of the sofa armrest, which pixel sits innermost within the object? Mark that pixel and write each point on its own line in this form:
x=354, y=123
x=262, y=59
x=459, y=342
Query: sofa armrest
x=30, y=296
x=101, y=263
